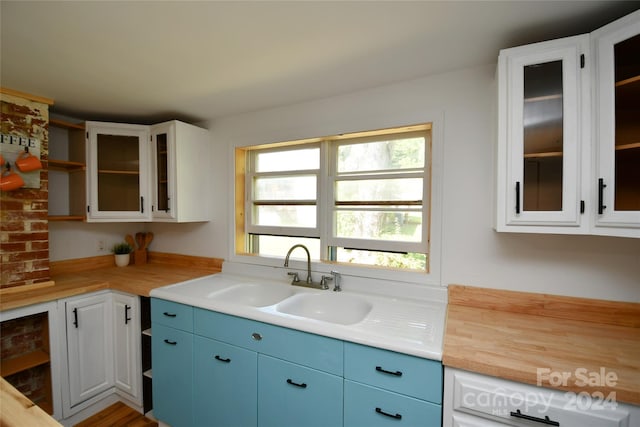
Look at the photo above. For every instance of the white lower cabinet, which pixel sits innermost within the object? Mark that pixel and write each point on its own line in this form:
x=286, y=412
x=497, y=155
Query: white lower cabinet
x=472, y=400
x=101, y=349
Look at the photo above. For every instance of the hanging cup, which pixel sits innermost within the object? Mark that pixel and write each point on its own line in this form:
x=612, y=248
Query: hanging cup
x=10, y=180
x=27, y=162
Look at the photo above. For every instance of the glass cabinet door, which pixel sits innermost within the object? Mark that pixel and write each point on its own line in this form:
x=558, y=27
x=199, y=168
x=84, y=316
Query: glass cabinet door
x=163, y=178
x=542, y=99
x=617, y=47
x=118, y=171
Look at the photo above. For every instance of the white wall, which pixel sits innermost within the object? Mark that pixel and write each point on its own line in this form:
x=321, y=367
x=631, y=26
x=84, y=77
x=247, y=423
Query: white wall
x=472, y=252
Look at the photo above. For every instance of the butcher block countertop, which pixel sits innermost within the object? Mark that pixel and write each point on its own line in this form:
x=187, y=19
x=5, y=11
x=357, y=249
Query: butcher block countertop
x=537, y=339
x=77, y=277
x=17, y=410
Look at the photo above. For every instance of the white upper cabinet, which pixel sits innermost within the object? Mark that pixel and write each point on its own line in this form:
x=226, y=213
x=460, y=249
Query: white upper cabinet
x=569, y=134
x=180, y=160
x=117, y=172
x=616, y=50
x=141, y=173
x=543, y=98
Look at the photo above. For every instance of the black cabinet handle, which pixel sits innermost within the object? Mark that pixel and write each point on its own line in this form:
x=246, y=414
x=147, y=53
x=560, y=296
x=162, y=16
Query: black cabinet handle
x=221, y=359
x=395, y=374
x=386, y=414
x=169, y=314
x=301, y=385
x=544, y=420
x=141, y=204
x=517, y=197
x=75, y=317
x=601, y=187
x=126, y=314
x=171, y=342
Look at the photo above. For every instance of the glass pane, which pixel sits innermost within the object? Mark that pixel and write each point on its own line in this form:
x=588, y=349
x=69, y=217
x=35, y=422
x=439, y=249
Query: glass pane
x=285, y=216
x=411, y=260
x=280, y=245
x=543, y=137
x=405, y=153
x=161, y=167
x=277, y=161
x=404, y=226
x=627, y=116
x=118, y=173
x=286, y=188
x=379, y=190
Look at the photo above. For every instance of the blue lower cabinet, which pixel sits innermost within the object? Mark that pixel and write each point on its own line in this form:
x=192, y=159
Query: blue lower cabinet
x=225, y=385
x=172, y=359
x=373, y=407
x=291, y=395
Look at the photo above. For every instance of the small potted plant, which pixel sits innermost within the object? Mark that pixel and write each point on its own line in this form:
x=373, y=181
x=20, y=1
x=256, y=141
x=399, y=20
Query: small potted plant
x=122, y=252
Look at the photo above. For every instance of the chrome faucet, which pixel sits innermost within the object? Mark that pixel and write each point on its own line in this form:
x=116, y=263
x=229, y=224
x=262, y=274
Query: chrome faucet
x=296, y=280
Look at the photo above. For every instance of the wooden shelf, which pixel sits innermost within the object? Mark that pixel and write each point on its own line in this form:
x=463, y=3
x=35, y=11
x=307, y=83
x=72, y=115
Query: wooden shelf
x=628, y=81
x=24, y=362
x=147, y=332
x=543, y=155
x=543, y=98
x=118, y=172
x=66, y=165
x=65, y=124
x=59, y=218
x=628, y=146
x=148, y=373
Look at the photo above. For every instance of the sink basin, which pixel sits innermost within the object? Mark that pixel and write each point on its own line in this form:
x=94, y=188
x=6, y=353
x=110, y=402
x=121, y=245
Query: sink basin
x=332, y=307
x=253, y=294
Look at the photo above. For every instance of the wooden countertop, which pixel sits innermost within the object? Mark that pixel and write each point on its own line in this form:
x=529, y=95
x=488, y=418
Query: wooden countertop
x=534, y=339
x=17, y=410
x=78, y=277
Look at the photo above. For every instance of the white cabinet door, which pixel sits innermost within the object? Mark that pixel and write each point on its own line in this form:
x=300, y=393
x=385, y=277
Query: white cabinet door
x=616, y=49
x=89, y=346
x=118, y=172
x=180, y=160
x=543, y=136
x=126, y=344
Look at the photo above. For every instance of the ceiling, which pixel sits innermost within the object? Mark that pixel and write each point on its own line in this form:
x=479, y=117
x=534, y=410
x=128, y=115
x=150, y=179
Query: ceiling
x=149, y=61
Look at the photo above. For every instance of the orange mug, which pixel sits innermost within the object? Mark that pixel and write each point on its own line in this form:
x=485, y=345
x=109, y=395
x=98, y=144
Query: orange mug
x=27, y=162
x=10, y=181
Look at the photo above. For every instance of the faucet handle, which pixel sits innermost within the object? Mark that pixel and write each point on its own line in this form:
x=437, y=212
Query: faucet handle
x=295, y=279
x=324, y=280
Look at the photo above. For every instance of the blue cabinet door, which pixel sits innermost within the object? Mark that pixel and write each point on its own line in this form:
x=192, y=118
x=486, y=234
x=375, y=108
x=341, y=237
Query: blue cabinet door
x=291, y=395
x=373, y=407
x=172, y=360
x=225, y=384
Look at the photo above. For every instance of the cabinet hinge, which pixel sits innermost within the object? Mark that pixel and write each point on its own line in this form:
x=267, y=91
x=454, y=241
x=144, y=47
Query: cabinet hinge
x=582, y=60
x=581, y=206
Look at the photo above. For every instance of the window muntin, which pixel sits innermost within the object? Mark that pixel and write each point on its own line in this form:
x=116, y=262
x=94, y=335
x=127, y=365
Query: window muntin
x=368, y=206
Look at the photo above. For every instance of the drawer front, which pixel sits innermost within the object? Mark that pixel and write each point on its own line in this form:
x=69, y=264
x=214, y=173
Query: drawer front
x=523, y=405
x=401, y=373
x=173, y=314
x=290, y=395
x=315, y=351
x=373, y=407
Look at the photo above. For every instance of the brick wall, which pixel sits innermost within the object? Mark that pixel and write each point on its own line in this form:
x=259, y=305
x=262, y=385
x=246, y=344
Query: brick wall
x=24, y=229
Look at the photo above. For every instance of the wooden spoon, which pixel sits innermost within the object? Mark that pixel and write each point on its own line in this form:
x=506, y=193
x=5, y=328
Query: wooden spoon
x=147, y=239
x=129, y=239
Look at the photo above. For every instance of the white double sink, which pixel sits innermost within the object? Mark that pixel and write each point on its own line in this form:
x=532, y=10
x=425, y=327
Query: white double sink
x=412, y=326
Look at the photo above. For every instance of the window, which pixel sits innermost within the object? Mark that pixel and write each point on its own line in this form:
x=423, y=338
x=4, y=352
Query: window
x=360, y=199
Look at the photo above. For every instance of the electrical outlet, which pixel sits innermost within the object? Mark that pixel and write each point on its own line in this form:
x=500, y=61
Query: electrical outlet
x=101, y=245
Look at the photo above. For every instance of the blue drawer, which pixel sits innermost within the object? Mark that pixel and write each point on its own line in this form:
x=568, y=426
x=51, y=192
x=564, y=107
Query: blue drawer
x=314, y=351
x=172, y=314
x=401, y=373
x=373, y=407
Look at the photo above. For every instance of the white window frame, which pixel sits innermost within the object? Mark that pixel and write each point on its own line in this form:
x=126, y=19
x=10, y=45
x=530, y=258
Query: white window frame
x=430, y=278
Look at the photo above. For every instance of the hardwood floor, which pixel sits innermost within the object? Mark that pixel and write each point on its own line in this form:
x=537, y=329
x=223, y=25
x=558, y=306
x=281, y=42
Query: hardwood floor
x=118, y=415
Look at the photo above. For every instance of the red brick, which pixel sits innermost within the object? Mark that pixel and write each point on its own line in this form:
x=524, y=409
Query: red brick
x=28, y=237
x=39, y=245
x=25, y=215
x=13, y=205
x=39, y=205
x=28, y=256
x=14, y=247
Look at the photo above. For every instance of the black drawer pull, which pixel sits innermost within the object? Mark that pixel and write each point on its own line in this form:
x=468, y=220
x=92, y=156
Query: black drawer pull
x=169, y=314
x=171, y=342
x=395, y=374
x=221, y=359
x=386, y=414
x=301, y=385
x=544, y=420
